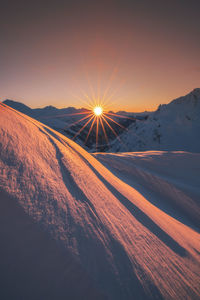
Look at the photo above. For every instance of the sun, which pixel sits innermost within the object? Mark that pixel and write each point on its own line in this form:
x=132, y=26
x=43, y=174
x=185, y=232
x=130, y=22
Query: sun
x=97, y=117
x=98, y=111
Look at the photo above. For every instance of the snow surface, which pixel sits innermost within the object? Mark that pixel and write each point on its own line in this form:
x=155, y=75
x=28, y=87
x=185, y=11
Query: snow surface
x=173, y=126
x=71, y=227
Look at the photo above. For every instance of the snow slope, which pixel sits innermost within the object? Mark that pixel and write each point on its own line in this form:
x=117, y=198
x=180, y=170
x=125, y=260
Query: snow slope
x=70, y=227
x=174, y=126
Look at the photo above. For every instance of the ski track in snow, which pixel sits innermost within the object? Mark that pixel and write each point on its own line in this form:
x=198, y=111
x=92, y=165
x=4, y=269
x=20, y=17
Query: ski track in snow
x=129, y=230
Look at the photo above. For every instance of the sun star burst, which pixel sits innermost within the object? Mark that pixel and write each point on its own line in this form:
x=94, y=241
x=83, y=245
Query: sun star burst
x=98, y=110
x=97, y=116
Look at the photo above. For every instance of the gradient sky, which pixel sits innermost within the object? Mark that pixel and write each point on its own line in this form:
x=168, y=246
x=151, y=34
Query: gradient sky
x=51, y=52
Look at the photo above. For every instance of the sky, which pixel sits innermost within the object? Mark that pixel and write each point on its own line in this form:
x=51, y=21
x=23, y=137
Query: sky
x=133, y=54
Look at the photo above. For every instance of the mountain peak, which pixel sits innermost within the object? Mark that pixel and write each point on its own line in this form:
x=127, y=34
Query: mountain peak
x=196, y=92
x=191, y=98
x=18, y=106
x=50, y=107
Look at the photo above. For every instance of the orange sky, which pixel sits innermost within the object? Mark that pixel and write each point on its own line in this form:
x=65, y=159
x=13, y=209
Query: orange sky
x=146, y=52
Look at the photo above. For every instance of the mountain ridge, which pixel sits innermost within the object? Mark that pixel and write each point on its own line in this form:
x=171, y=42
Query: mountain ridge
x=172, y=127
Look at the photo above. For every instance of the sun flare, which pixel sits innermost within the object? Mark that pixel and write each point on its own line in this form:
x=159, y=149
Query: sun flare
x=97, y=120
x=98, y=110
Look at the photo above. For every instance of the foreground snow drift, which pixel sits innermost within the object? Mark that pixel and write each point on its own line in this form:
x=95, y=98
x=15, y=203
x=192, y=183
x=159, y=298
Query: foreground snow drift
x=70, y=227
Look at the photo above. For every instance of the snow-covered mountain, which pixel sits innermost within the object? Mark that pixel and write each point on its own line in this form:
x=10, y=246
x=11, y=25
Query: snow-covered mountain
x=173, y=126
x=70, y=228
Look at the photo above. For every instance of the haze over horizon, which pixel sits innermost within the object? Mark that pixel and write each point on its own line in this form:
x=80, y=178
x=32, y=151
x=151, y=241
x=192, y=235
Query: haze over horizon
x=146, y=52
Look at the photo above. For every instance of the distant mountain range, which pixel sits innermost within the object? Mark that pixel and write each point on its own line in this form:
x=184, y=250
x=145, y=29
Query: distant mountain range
x=174, y=126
